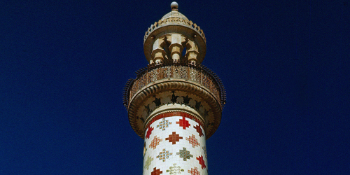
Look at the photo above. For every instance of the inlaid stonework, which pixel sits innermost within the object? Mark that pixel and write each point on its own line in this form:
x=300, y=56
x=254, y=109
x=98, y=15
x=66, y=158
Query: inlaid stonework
x=180, y=143
x=175, y=103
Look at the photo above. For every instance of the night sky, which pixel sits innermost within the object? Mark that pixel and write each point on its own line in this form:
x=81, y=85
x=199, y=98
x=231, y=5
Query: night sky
x=285, y=66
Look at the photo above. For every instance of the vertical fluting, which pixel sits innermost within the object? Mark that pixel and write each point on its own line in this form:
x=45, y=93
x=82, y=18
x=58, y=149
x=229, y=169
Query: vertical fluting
x=175, y=143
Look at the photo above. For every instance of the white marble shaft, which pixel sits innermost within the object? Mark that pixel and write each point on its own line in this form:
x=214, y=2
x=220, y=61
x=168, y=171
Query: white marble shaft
x=175, y=144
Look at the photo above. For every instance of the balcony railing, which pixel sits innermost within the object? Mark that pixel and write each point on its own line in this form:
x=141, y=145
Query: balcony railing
x=198, y=74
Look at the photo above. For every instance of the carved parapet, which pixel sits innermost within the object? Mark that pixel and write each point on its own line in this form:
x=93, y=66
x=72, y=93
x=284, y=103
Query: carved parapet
x=198, y=74
x=173, y=87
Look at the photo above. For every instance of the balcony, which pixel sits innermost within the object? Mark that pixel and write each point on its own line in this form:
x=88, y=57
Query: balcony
x=199, y=75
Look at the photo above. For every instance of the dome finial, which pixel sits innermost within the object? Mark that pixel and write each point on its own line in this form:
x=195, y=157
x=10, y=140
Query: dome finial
x=174, y=6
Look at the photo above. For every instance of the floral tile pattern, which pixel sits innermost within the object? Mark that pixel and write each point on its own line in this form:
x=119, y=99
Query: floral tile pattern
x=194, y=171
x=193, y=141
x=155, y=142
x=156, y=171
x=175, y=145
x=183, y=123
x=199, y=130
x=201, y=161
x=148, y=162
x=184, y=154
x=173, y=138
x=163, y=155
x=163, y=124
x=175, y=169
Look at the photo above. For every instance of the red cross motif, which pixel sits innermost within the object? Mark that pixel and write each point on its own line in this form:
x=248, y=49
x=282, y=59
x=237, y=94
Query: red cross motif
x=183, y=123
x=156, y=171
x=149, y=132
x=173, y=138
x=199, y=130
x=201, y=161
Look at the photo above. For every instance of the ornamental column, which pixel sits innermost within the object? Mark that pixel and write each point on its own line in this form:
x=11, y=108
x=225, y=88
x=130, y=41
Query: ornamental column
x=175, y=103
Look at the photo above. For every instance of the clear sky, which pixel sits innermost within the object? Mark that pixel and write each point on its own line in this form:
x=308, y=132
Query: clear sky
x=284, y=64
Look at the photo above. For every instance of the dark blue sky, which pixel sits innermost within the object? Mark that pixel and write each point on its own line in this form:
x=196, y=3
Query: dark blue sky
x=285, y=66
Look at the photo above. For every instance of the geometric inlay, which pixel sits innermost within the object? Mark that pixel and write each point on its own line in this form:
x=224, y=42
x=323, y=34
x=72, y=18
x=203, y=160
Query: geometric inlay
x=194, y=171
x=149, y=132
x=175, y=169
x=199, y=130
x=192, y=139
x=201, y=161
x=173, y=138
x=155, y=142
x=156, y=171
x=164, y=155
x=163, y=124
x=148, y=162
x=184, y=154
x=183, y=123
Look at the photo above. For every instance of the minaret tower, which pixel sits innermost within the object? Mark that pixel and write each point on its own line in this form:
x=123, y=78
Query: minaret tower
x=175, y=103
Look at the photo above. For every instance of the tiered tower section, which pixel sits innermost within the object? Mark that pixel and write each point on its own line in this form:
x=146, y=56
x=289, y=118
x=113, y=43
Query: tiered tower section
x=175, y=103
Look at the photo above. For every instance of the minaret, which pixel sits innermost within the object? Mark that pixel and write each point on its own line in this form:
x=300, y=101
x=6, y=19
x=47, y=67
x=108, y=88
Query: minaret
x=175, y=103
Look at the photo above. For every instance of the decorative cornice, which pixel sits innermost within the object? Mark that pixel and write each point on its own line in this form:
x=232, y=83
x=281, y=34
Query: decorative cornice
x=174, y=21
x=178, y=85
